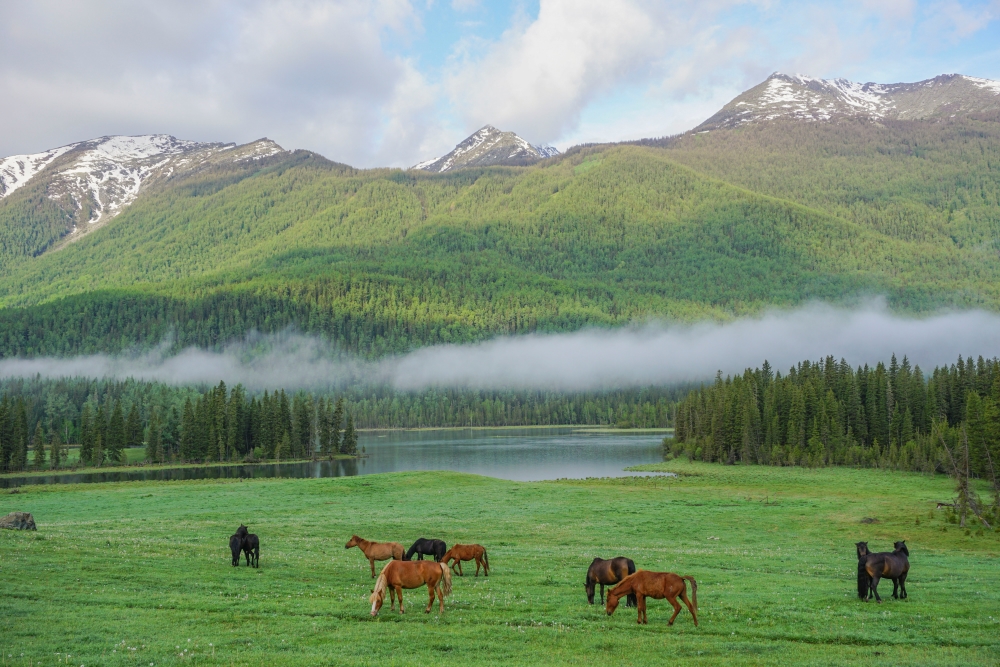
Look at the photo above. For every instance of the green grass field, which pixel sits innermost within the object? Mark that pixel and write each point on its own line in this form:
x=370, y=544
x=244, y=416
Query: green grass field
x=138, y=573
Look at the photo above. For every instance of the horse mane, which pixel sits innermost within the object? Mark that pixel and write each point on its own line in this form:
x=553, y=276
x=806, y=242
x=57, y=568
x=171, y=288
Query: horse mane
x=902, y=547
x=379, y=591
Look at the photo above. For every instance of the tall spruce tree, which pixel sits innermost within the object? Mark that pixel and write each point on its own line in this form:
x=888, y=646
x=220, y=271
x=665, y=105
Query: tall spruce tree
x=21, y=435
x=86, y=436
x=336, y=421
x=39, y=447
x=350, y=437
x=115, y=443
x=55, y=448
x=133, y=427
x=154, y=439
x=188, y=427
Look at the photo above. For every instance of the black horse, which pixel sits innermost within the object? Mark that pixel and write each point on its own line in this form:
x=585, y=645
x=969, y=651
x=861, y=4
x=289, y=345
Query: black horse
x=606, y=573
x=242, y=531
x=236, y=546
x=872, y=567
x=251, y=549
x=424, y=547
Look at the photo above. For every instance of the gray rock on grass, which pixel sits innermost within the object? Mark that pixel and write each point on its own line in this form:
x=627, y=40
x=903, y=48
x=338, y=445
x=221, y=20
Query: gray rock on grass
x=18, y=521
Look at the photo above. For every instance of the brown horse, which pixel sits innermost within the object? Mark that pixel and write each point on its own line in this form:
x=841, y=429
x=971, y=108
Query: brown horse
x=400, y=574
x=460, y=552
x=893, y=565
x=376, y=550
x=657, y=585
x=606, y=573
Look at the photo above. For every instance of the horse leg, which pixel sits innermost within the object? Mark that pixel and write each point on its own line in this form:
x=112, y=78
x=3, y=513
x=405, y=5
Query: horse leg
x=902, y=585
x=399, y=593
x=672, y=599
x=895, y=589
x=875, y=580
x=641, y=601
x=392, y=598
x=479, y=561
x=684, y=596
x=460, y=573
x=430, y=602
x=371, y=561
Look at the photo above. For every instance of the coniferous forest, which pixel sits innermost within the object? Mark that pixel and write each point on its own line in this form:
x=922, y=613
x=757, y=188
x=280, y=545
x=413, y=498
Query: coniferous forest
x=828, y=413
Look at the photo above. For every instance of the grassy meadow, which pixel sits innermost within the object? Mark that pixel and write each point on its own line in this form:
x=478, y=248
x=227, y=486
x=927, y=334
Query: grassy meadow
x=139, y=573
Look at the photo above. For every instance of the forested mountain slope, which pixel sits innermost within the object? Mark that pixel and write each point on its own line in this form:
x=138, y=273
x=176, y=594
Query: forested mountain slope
x=715, y=224
x=383, y=260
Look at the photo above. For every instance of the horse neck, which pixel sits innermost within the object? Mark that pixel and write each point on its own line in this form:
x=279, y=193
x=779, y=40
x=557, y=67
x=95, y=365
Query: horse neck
x=363, y=544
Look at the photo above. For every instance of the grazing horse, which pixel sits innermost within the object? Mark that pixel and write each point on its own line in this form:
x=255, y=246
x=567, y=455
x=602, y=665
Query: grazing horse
x=657, y=585
x=894, y=565
x=424, y=547
x=400, y=574
x=251, y=549
x=606, y=573
x=460, y=552
x=236, y=546
x=374, y=551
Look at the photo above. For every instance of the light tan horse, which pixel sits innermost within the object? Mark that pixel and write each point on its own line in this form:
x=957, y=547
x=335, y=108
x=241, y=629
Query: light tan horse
x=460, y=552
x=400, y=574
x=376, y=550
x=656, y=585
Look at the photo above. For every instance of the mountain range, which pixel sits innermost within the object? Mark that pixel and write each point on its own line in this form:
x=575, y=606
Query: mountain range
x=799, y=189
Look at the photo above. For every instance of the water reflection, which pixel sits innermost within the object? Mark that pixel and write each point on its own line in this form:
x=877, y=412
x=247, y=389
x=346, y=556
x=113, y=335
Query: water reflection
x=515, y=454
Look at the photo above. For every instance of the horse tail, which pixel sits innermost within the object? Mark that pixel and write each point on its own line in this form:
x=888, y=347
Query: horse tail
x=380, y=585
x=694, y=591
x=445, y=580
x=486, y=559
x=631, y=565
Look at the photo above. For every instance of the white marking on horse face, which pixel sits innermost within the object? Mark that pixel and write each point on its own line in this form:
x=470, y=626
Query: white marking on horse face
x=376, y=604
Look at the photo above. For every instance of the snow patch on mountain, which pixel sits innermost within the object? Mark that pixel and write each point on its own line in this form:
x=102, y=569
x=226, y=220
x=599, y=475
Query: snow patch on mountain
x=17, y=170
x=801, y=97
x=488, y=146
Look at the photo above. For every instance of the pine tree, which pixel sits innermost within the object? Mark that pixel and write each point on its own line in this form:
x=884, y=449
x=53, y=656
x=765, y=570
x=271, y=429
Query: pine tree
x=20, y=433
x=115, y=442
x=39, y=447
x=154, y=440
x=188, y=427
x=133, y=428
x=350, y=445
x=86, y=437
x=323, y=416
x=56, y=453
x=284, y=447
x=98, y=449
x=336, y=444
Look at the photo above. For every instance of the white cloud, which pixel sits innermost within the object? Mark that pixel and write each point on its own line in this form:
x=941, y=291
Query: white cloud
x=307, y=73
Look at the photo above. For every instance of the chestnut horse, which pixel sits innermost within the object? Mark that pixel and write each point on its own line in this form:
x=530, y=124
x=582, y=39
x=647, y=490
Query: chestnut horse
x=657, y=585
x=460, y=552
x=400, y=574
x=376, y=550
x=606, y=573
x=894, y=565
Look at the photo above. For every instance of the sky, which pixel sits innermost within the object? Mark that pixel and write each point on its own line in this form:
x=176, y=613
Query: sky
x=393, y=82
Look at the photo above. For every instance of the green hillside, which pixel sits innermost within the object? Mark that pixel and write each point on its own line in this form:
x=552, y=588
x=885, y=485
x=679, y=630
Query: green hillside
x=711, y=225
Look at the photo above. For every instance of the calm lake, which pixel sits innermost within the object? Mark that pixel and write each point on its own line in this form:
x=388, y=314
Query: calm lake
x=527, y=454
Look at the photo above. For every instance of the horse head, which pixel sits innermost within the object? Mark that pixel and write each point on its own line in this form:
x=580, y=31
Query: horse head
x=589, y=586
x=612, y=602
x=862, y=549
x=353, y=542
x=901, y=546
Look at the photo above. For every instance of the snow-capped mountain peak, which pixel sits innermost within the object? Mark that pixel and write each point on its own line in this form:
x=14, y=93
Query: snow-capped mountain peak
x=93, y=181
x=800, y=97
x=488, y=146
